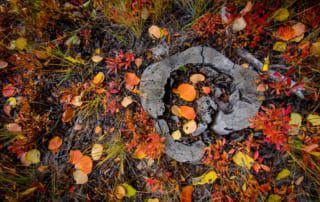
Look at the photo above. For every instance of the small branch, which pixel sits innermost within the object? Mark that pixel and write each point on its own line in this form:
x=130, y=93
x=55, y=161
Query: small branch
x=257, y=64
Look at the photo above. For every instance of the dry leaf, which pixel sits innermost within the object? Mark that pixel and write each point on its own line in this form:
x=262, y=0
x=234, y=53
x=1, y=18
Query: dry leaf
x=299, y=29
x=153, y=200
x=3, y=64
x=85, y=164
x=33, y=156
x=120, y=192
x=187, y=112
x=299, y=180
x=80, y=177
x=242, y=159
x=315, y=49
x=126, y=101
x=189, y=127
x=186, y=91
x=206, y=90
x=24, y=160
x=96, y=58
x=186, y=194
x=279, y=46
x=246, y=9
x=207, y=178
x=138, y=62
x=262, y=87
x=176, y=110
x=67, y=115
x=196, y=78
x=43, y=168
x=96, y=151
x=245, y=65
x=296, y=119
x=97, y=130
x=98, y=78
x=281, y=14
x=313, y=119
x=283, y=174
x=76, y=101
x=8, y=90
x=54, y=144
x=154, y=32
x=75, y=156
x=13, y=127
x=21, y=43
x=131, y=79
x=139, y=154
x=176, y=135
x=285, y=33
x=274, y=198
x=239, y=24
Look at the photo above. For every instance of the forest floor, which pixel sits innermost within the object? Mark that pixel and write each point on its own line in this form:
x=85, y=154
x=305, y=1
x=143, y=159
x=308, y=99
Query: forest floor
x=72, y=126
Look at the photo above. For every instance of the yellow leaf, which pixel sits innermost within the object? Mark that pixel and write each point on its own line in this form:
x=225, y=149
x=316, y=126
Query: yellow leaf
x=283, y=174
x=96, y=151
x=207, y=178
x=120, y=192
x=296, y=119
x=176, y=135
x=80, y=177
x=12, y=101
x=176, y=110
x=281, y=14
x=21, y=43
x=189, y=127
x=154, y=32
x=279, y=46
x=28, y=191
x=274, y=198
x=314, y=119
x=242, y=159
x=196, y=78
x=33, y=156
x=266, y=64
x=315, y=49
x=152, y=200
x=75, y=60
x=96, y=58
x=317, y=154
x=130, y=191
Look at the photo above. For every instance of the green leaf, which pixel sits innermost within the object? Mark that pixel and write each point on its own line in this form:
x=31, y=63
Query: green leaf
x=314, y=119
x=130, y=191
x=283, y=174
x=207, y=178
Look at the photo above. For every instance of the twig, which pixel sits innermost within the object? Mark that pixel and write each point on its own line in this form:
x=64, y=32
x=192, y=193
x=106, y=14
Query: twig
x=257, y=64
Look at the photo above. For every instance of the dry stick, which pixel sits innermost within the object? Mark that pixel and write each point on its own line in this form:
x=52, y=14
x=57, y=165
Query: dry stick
x=257, y=64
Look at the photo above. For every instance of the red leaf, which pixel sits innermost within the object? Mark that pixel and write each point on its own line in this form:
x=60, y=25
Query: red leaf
x=8, y=90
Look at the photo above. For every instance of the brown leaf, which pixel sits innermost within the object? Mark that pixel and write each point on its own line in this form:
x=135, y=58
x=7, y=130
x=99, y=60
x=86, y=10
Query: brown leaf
x=67, y=115
x=196, y=78
x=13, y=127
x=138, y=62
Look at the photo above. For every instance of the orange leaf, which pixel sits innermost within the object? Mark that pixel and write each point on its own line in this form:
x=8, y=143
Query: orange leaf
x=206, y=89
x=286, y=33
x=186, y=92
x=54, y=144
x=186, y=194
x=264, y=188
x=85, y=164
x=67, y=115
x=131, y=79
x=187, y=112
x=75, y=156
x=99, y=78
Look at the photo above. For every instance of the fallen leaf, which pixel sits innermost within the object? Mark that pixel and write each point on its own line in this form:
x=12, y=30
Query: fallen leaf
x=13, y=127
x=313, y=119
x=96, y=58
x=286, y=33
x=299, y=180
x=246, y=9
x=265, y=64
x=3, y=64
x=98, y=78
x=139, y=154
x=274, y=198
x=242, y=159
x=186, y=194
x=120, y=192
x=187, y=112
x=295, y=119
x=54, y=144
x=12, y=101
x=24, y=160
x=8, y=90
x=176, y=135
x=154, y=32
x=279, y=46
x=131, y=79
x=96, y=151
x=186, y=91
x=239, y=24
x=80, y=177
x=309, y=148
x=21, y=43
x=33, y=156
x=176, y=110
x=207, y=178
x=43, y=168
x=85, y=164
x=97, y=130
x=75, y=156
x=41, y=54
x=27, y=192
x=299, y=29
x=76, y=101
x=67, y=115
x=283, y=174
x=138, y=62
x=206, y=90
x=315, y=49
x=153, y=200
x=189, y=127
x=262, y=87
x=126, y=101
x=245, y=65
x=196, y=78
x=130, y=191
x=281, y=14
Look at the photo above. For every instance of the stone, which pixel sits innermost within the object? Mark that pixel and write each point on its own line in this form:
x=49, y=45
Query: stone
x=200, y=129
x=205, y=108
